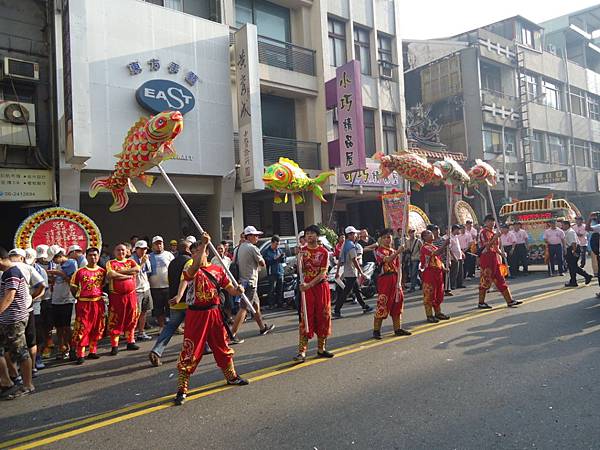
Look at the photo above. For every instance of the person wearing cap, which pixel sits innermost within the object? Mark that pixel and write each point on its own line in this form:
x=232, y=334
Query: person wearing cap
x=37, y=287
x=315, y=262
x=352, y=269
x=521, y=253
x=122, y=309
x=582, y=239
x=432, y=276
x=75, y=252
x=390, y=297
x=13, y=321
x=173, y=246
x=159, y=280
x=489, y=263
x=60, y=270
x=142, y=287
x=508, y=243
x=203, y=320
x=249, y=260
x=86, y=287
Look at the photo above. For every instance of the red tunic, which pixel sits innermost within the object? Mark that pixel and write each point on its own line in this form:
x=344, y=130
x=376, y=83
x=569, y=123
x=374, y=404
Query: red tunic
x=204, y=290
x=489, y=262
x=121, y=286
x=432, y=276
x=89, y=283
x=390, y=297
x=318, y=298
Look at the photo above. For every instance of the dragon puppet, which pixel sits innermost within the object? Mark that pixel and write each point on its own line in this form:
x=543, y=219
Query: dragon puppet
x=409, y=166
x=148, y=143
x=286, y=177
x=482, y=173
x=452, y=172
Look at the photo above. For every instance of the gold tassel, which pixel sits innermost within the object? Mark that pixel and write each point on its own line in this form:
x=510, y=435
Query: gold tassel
x=321, y=344
x=183, y=381
x=397, y=322
x=302, y=344
x=377, y=322
x=229, y=372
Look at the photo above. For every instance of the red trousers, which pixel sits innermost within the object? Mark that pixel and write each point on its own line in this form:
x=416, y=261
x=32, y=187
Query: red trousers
x=202, y=327
x=490, y=272
x=318, y=310
x=88, y=327
x=433, y=289
x=122, y=317
x=387, y=288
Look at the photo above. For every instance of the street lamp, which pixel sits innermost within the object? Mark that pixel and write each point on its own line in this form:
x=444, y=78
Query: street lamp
x=504, y=122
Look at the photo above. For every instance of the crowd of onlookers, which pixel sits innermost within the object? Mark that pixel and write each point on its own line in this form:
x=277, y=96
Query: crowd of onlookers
x=37, y=296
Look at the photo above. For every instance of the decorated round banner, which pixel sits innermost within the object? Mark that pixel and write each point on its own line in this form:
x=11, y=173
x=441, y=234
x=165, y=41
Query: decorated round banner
x=61, y=226
x=417, y=219
x=464, y=212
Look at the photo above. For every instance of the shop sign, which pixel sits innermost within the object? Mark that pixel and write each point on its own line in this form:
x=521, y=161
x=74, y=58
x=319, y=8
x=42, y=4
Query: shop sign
x=556, y=176
x=18, y=185
x=368, y=177
x=165, y=95
x=247, y=87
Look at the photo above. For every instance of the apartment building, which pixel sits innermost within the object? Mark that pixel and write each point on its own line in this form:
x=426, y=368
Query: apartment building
x=520, y=95
x=27, y=149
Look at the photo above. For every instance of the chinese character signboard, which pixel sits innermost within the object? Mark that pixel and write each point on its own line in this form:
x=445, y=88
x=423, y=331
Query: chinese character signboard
x=557, y=176
x=368, y=177
x=248, y=106
x=18, y=185
x=351, y=129
x=394, y=206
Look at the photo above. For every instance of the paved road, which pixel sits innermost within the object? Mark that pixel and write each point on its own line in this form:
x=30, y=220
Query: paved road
x=509, y=378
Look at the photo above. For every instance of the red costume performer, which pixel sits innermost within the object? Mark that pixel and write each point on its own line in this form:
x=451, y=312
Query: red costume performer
x=390, y=297
x=204, y=323
x=89, y=309
x=489, y=262
x=315, y=262
x=433, y=281
x=122, y=310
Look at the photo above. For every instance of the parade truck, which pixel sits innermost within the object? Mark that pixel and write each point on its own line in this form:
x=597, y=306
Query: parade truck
x=534, y=215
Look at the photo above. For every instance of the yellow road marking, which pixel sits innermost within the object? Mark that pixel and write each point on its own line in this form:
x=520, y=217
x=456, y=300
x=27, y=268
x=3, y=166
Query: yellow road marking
x=139, y=409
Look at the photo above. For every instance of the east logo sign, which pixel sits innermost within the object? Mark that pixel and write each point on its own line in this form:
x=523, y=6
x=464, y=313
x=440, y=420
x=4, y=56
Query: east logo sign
x=165, y=95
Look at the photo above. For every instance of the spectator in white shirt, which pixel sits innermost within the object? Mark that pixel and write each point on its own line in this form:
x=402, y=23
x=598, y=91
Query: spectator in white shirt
x=456, y=259
x=470, y=258
x=572, y=255
x=555, y=238
x=507, y=240
x=582, y=239
x=521, y=253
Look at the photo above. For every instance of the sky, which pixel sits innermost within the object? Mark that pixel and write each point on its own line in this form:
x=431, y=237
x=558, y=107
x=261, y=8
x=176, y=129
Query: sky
x=430, y=19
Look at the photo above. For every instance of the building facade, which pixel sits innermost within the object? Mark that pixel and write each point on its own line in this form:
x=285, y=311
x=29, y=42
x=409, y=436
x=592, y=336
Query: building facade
x=523, y=97
x=27, y=140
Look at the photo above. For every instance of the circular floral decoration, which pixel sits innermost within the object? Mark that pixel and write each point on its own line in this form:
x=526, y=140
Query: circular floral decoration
x=464, y=212
x=417, y=219
x=61, y=226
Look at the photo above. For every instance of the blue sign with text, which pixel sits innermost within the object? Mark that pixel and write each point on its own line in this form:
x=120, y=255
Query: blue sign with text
x=165, y=95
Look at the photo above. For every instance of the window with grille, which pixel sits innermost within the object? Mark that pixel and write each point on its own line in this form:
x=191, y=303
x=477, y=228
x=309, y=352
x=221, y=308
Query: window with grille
x=593, y=104
x=337, y=42
x=385, y=55
x=362, y=49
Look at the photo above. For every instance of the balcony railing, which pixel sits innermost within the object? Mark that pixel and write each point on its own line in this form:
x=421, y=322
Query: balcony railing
x=283, y=54
x=306, y=154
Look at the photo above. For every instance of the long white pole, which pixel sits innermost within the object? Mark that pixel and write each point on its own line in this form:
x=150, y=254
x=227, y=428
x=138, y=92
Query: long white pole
x=299, y=263
x=201, y=230
x=450, y=193
x=406, y=185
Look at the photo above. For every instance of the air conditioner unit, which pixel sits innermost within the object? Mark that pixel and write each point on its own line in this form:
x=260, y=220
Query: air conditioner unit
x=17, y=124
x=21, y=69
x=386, y=69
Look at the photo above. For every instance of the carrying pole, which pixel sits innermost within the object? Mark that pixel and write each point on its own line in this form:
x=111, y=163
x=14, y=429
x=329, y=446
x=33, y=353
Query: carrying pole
x=299, y=264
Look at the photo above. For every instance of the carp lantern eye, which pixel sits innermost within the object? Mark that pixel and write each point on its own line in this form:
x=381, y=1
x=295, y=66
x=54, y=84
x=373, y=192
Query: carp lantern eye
x=280, y=174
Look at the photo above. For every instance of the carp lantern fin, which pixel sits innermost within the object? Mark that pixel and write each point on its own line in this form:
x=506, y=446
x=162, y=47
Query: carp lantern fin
x=148, y=180
x=291, y=162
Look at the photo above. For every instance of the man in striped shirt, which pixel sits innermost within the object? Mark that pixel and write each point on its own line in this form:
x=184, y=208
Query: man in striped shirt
x=13, y=321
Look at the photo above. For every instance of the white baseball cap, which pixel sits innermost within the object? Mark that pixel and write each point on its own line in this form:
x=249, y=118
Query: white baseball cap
x=74, y=248
x=350, y=229
x=191, y=239
x=140, y=244
x=301, y=234
x=157, y=239
x=17, y=252
x=42, y=251
x=250, y=230
x=30, y=255
x=55, y=250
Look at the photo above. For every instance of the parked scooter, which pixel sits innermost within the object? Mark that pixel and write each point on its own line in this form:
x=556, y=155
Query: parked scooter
x=368, y=288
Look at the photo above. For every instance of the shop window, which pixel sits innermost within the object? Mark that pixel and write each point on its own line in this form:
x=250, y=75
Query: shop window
x=369, y=121
x=390, y=143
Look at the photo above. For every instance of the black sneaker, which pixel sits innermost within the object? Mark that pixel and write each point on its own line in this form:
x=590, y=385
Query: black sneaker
x=80, y=361
x=179, y=398
x=442, y=316
x=367, y=309
x=402, y=332
x=483, y=306
x=114, y=351
x=588, y=280
x=325, y=354
x=572, y=284
x=239, y=381
x=267, y=329
x=377, y=335
x=432, y=319
x=132, y=346
x=514, y=303
x=236, y=340
x=300, y=357
x=93, y=356
x=337, y=315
